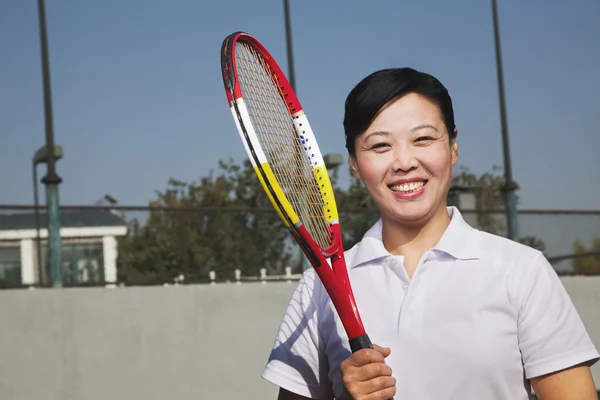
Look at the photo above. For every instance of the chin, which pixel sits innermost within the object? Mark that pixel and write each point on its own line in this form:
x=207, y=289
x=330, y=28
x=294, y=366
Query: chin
x=411, y=214
x=415, y=213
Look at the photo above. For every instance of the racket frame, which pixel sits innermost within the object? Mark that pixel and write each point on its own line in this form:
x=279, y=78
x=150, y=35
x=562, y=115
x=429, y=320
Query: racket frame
x=335, y=278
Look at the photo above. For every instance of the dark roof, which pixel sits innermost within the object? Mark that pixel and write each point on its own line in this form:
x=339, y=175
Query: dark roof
x=68, y=219
x=463, y=188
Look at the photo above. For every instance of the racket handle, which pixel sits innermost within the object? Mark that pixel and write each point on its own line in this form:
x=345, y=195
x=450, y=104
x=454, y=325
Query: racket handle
x=362, y=342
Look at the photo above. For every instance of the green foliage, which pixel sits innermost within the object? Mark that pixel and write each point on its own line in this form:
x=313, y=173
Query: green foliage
x=357, y=211
x=489, y=196
x=206, y=226
x=589, y=265
x=225, y=222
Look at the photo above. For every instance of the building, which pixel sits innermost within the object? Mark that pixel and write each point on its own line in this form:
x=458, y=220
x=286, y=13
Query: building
x=89, y=247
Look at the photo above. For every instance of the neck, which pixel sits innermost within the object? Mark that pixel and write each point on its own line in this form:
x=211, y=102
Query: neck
x=402, y=239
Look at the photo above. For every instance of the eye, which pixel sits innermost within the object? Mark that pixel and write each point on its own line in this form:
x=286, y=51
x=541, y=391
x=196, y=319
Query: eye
x=424, y=138
x=379, y=146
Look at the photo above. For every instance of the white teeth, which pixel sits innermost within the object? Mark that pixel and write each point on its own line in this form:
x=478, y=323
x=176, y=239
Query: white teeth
x=408, y=187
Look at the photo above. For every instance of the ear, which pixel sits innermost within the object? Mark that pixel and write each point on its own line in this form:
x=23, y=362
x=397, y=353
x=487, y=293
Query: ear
x=354, y=166
x=454, y=148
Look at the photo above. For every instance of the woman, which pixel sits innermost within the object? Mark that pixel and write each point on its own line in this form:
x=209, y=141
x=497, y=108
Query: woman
x=458, y=313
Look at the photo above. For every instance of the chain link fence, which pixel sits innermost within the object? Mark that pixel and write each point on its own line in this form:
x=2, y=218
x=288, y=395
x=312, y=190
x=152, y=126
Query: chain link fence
x=142, y=245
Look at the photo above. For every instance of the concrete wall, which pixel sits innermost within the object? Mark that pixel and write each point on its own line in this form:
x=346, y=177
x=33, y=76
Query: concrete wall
x=185, y=342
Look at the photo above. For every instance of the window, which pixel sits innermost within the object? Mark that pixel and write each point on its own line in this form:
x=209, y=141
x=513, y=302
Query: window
x=81, y=263
x=10, y=266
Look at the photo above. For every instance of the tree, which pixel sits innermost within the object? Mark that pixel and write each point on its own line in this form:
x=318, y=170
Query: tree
x=358, y=213
x=588, y=265
x=489, y=197
x=221, y=223
x=225, y=222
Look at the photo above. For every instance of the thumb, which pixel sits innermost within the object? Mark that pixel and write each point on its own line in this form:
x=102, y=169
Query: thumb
x=384, y=351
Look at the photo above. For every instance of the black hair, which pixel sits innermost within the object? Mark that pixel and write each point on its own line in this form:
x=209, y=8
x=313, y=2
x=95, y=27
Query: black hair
x=374, y=92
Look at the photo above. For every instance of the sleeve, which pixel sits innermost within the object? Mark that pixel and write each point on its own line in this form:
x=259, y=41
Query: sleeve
x=552, y=335
x=298, y=360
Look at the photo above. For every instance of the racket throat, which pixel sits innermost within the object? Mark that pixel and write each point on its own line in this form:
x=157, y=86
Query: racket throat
x=306, y=247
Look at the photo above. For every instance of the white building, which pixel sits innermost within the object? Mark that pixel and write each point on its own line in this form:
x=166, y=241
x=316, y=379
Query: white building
x=89, y=247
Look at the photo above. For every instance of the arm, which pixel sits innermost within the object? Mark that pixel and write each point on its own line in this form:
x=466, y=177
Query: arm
x=286, y=395
x=575, y=383
x=298, y=362
x=556, y=349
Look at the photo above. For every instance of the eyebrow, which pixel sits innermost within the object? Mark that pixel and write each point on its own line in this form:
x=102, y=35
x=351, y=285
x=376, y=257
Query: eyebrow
x=416, y=128
x=377, y=133
x=424, y=126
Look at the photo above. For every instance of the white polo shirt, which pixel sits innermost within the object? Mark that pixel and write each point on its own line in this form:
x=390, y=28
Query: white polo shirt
x=481, y=315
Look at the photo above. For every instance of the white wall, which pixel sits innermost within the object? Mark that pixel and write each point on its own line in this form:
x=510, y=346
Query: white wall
x=29, y=250
x=28, y=253
x=109, y=246
x=185, y=342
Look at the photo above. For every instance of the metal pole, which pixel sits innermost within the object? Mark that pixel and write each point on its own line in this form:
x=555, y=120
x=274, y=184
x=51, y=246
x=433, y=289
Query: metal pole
x=510, y=185
x=41, y=269
x=304, y=263
x=51, y=180
x=288, y=40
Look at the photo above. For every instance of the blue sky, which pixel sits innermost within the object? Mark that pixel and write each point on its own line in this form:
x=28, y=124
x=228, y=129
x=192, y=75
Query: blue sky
x=138, y=96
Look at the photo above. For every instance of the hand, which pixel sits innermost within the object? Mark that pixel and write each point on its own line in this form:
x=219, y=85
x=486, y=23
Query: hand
x=366, y=376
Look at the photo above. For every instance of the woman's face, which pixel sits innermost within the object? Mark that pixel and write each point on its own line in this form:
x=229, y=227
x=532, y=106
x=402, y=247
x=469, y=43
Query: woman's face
x=405, y=160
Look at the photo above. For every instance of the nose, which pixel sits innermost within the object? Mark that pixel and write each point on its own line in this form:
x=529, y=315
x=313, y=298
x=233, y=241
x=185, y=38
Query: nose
x=405, y=159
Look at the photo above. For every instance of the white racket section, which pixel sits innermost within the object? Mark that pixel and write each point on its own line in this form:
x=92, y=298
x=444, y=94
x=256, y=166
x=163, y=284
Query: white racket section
x=307, y=137
x=243, y=112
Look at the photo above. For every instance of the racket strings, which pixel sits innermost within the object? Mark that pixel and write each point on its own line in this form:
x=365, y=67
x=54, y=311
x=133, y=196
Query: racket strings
x=281, y=144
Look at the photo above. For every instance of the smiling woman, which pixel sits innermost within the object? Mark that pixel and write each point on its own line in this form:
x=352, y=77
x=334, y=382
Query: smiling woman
x=458, y=313
x=405, y=161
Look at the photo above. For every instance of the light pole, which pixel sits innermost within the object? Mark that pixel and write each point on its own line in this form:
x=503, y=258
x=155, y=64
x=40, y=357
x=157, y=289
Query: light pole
x=51, y=179
x=288, y=41
x=510, y=186
x=39, y=158
x=304, y=263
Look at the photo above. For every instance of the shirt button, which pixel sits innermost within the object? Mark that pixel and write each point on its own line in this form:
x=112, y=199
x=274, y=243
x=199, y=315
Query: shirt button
x=405, y=286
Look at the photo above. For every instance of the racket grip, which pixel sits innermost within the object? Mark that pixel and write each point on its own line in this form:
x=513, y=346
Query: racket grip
x=362, y=342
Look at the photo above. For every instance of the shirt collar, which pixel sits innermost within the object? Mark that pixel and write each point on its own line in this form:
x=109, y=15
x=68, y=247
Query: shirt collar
x=458, y=241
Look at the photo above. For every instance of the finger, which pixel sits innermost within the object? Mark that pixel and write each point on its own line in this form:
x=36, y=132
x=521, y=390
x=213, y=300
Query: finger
x=372, y=388
x=384, y=351
x=358, y=390
x=364, y=357
x=383, y=394
x=378, y=384
x=374, y=370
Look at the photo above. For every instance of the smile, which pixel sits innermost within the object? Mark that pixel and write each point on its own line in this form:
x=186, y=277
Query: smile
x=407, y=188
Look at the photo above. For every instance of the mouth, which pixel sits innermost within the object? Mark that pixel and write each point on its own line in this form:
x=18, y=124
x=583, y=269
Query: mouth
x=408, y=188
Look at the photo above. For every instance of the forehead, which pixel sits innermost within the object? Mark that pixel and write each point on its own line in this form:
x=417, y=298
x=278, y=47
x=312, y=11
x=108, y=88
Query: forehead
x=406, y=113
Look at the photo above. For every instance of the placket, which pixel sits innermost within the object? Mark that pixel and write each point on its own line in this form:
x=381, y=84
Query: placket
x=411, y=312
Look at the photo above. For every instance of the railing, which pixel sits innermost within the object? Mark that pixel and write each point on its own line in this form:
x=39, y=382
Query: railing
x=178, y=245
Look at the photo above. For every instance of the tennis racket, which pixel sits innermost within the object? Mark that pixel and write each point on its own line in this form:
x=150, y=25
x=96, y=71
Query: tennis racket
x=285, y=156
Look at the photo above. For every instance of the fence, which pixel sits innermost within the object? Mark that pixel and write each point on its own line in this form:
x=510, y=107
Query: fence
x=141, y=245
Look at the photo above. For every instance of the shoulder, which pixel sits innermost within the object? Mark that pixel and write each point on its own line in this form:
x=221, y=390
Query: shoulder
x=310, y=294
x=351, y=252
x=525, y=271
x=506, y=251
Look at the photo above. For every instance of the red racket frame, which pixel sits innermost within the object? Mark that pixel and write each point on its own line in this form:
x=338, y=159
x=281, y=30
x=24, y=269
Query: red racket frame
x=335, y=278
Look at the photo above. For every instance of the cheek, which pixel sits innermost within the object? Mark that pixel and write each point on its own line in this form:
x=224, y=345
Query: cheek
x=373, y=168
x=438, y=162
